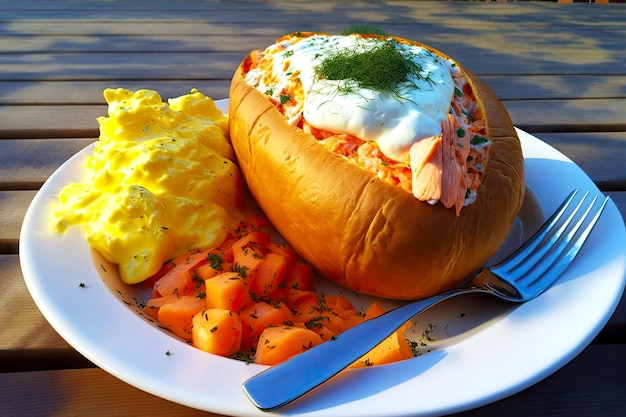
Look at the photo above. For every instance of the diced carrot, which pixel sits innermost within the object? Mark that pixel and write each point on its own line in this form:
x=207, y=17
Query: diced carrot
x=178, y=314
x=254, y=239
x=284, y=251
x=297, y=296
x=374, y=310
x=338, y=302
x=351, y=318
x=256, y=317
x=334, y=323
x=154, y=304
x=395, y=348
x=207, y=271
x=304, y=306
x=217, y=261
x=227, y=291
x=271, y=273
x=255, y=221
x=254, y=296
x=217, y=331
x=246, y=260
x=165, y=268
x=279, y=343
x=300, y=277
x=180, y=279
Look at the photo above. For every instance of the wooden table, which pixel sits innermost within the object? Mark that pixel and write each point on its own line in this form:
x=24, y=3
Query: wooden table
x=560, y=70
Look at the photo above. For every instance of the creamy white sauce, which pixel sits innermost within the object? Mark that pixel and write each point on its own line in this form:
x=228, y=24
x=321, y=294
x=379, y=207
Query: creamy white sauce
x=395, y=120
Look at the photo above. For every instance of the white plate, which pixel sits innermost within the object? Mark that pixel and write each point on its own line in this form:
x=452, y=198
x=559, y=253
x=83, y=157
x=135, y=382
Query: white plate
x=484, y=349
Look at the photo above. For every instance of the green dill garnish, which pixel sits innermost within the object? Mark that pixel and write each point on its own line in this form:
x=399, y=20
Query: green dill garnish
x=215, y=261
x=242, y=270
x=316, y=322
x=382, y=67
x=460, y=132
x=363, y=30
x=284, y=98
x=478, y=140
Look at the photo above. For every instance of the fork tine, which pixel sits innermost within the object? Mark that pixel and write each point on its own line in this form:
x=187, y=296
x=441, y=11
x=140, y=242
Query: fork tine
x=548, y=261
x=522, y=253
x=551, y=251
x=558, y=262
x=542, y=245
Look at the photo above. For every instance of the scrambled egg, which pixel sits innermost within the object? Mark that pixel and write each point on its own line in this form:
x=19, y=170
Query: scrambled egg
x=162, y=180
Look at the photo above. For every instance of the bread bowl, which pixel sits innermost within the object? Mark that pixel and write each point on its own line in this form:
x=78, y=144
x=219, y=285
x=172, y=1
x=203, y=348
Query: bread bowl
x=362, y=232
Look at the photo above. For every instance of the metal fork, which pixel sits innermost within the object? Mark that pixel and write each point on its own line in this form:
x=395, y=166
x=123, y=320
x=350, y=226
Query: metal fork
x=521, y=277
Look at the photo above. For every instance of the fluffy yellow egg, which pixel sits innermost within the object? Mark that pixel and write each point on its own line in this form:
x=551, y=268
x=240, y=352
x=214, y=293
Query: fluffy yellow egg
x=161, y=180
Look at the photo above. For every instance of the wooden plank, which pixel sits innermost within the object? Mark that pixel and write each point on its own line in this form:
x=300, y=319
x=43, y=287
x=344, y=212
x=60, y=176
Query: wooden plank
x=128, y=66
x=568, y=87
x=591, y=385
x=127, y=43
x=596, y=373
x=530, y=14
x=31, y=332
x=495, y=58
x=533, y=87
x=26, y=164
x=90, y=92
x=585, y=115
x=81, y=392
x=601, y=115
x=600, y=155
x=13, y=206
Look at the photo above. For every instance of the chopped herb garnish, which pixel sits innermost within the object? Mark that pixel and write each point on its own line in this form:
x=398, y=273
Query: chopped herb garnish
x=215, y=261
x=363, y=30
x=383, y=67
x=478, y=140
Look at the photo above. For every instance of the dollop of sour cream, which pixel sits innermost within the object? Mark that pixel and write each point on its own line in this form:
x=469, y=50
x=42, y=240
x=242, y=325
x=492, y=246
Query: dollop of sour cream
x=395, y=120
x=161, y=180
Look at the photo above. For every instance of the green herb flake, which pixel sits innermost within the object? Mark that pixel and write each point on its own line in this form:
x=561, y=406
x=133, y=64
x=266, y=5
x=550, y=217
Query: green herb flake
x=478, y=140
x=284, y=98
x=381, y=68
x=363, y=30
x=215, y=261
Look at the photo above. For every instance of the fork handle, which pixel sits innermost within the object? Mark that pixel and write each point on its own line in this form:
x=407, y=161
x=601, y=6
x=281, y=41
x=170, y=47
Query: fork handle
x=287, y=381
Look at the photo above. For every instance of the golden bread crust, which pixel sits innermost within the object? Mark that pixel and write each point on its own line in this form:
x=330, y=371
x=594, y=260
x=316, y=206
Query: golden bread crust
x=363, y=233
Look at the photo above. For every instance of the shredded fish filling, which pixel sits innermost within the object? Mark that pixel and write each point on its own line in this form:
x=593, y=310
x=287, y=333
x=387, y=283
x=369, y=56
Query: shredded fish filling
x=423, y=134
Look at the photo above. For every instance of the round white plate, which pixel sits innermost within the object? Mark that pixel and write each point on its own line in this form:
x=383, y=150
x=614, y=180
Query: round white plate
x=478, y=349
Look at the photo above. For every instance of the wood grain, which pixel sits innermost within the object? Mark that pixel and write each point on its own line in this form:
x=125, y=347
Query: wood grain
x=559, y=70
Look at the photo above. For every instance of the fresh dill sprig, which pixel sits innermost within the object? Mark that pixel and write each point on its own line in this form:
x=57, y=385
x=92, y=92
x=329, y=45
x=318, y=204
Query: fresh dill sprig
x=363, y=30
x=383, y=67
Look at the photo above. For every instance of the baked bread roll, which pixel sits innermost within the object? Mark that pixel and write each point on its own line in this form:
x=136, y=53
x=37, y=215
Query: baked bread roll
x=355, y=227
